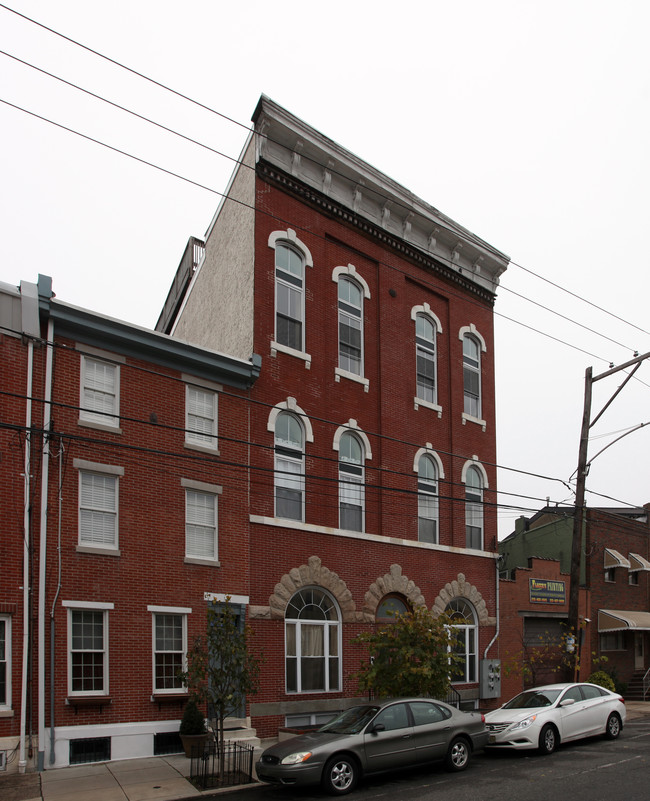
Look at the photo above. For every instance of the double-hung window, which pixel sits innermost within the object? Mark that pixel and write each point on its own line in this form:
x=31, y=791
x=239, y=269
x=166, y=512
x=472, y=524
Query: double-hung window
x=169, y=648
x=87, y=648
x=201, y=520
x=312, y=642
x=98, y=504
x=472, y=376
x=201, y=417
x=100, y=392
x=5, y=662
x=351, y=483
x=350, y=326
x=474, y=508
x=425, y=356
x=427, y=500
x=289, y=467
x=289, y=297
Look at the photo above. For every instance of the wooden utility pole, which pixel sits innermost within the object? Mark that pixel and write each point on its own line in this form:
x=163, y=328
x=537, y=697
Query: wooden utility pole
x=581, y=478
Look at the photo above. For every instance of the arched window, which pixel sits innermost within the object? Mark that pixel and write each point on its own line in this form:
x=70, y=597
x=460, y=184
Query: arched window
x=351, y=483
x=312, y=642
x=389, y=607
x=472, y=375
x=463, y=621
x=289, y=296
x=474, y=508
x=289, y=467
x=350, y=326
x=425, y=357
x=427, y=500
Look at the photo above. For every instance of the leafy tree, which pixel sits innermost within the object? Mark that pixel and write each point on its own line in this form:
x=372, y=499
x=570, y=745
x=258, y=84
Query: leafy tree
x=410, y=656
x=220, y=669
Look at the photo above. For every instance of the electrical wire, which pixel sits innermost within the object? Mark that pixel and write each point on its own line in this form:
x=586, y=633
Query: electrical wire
x=249, y=129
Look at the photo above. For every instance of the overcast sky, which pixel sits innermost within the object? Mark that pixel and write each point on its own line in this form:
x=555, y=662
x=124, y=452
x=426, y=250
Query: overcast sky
x=527, y=122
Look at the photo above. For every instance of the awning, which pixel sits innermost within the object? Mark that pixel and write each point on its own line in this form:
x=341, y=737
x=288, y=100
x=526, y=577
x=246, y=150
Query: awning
x=638, y=562
x=615, y=559
x=617, y=620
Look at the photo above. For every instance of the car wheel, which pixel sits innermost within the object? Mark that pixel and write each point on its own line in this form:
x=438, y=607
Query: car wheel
x=548, y=739
x=458, y=755
x=613, y=727
x=341, y=775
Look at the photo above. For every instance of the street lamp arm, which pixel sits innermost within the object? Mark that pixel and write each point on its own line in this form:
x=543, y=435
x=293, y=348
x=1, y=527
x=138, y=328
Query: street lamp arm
x=613, y=442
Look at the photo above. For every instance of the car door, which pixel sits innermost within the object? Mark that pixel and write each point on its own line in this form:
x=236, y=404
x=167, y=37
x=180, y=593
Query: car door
x=431, y=730
x=597, y=709
x=388, y=740
x=574, y=719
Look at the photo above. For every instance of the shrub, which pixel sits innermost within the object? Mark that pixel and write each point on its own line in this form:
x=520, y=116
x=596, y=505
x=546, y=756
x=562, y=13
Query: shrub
x=193, y=721
x=602, y=679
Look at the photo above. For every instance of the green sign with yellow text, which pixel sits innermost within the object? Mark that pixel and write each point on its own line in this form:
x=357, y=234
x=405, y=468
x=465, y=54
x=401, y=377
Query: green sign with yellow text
x=547, y=591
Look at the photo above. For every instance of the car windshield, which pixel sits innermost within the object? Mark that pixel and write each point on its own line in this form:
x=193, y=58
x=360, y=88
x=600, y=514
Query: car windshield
x=531, y=699
x=351, y=721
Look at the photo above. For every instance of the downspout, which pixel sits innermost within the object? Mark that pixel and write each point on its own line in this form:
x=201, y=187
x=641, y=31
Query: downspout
x=22, y=762
x=45, y=470
x=56, y=597
x=30, y=325
x=496, y=633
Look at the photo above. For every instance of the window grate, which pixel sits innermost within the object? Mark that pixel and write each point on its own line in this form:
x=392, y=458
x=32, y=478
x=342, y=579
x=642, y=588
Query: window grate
x=90, y=749
x=167, y=742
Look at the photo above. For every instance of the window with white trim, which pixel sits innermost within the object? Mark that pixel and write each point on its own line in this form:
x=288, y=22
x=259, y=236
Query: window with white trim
x=289, y=467
x=5, y=662
x=169, y=650
x=425, y=356
x=472, y=375
x=463, y=621
x=474, y=508
x=350, y=302
x=312, y=642
x=289, y=296
x=88, y=651
x=200, y=525
x=98, y=509
x=427, y=500
x=351, y=483
x=100, y=392
x=201, y=417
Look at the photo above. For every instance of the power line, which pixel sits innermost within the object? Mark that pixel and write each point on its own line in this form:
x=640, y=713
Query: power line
x=249, y=129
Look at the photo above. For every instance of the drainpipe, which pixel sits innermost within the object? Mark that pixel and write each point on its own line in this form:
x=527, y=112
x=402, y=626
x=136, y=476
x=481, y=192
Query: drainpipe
x=496, y=633
x=22, y=762
x=30, y=325
x=45, y=470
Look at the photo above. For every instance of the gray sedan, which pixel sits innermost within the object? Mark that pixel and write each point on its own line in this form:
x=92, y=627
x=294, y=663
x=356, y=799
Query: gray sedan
x=372, y=738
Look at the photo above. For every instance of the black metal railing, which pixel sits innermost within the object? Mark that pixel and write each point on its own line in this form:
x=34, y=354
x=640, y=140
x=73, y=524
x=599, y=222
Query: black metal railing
x=213, y=767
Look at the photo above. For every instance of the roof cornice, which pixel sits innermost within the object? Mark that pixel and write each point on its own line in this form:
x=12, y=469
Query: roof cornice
x=142, y=343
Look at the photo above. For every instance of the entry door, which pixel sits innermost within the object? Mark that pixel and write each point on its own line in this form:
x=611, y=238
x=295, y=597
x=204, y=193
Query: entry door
x=639, y=654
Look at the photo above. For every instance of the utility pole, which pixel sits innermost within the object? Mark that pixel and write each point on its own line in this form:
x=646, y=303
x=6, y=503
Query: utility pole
x=583, y=470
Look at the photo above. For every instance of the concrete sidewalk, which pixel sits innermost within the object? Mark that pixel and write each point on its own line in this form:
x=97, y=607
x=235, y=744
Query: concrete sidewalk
x=162, y=778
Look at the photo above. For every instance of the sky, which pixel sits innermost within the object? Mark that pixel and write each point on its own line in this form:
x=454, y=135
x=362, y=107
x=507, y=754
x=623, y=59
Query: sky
x=527, y=122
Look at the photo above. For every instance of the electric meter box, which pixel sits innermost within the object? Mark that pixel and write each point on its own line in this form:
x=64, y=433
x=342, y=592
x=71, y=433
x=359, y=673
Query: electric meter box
x=490, y=678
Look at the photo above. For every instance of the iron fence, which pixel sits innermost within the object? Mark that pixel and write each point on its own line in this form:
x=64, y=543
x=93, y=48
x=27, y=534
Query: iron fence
x=213, y=767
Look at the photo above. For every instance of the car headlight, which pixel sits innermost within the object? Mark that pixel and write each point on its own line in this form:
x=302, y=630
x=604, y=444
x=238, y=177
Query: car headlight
x=297, y=758
x=523, y=724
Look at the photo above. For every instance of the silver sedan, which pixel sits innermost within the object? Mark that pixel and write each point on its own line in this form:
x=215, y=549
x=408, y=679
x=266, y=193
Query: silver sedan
x=372, y=738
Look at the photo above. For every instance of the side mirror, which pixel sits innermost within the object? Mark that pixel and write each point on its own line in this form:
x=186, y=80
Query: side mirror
x=378, y=727
x=567, y=702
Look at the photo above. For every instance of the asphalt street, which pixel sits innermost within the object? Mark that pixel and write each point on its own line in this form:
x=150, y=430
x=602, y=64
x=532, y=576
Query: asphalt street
x=588, y=770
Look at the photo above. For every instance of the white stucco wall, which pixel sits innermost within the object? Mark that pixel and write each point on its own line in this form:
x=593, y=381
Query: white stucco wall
x=218, y=310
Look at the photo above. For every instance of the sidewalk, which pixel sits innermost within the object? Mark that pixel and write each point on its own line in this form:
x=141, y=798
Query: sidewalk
x=149, y=779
